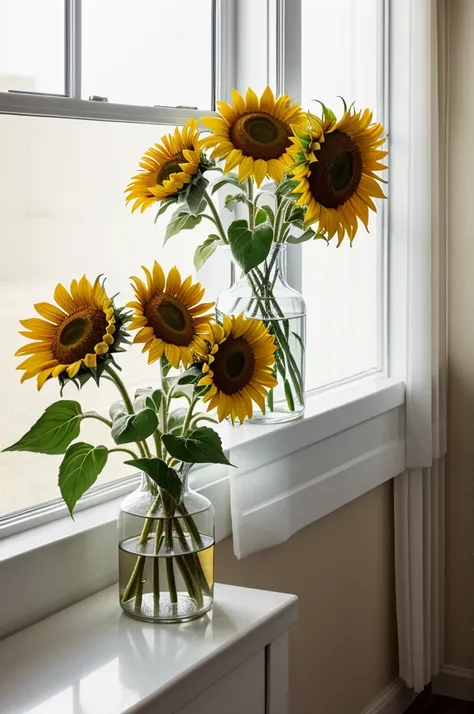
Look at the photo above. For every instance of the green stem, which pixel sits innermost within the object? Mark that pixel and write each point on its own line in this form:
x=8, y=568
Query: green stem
x=217, y=218
x=157, y=440
x=156, y=563
x=189, y=416
x=169, y=561
x=125, y=451
x=144, y=450
x=281, y=339
x=98, y=417
x=251, y=204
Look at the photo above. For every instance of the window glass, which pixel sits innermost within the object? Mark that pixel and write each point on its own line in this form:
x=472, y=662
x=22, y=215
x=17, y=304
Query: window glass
x=62, y=214
x=32, y=37
x=148, y=52
x=341, y=285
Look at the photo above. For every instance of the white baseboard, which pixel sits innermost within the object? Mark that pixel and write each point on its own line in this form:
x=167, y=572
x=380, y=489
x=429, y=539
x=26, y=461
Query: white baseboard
x=454, y=682
x=395, y=699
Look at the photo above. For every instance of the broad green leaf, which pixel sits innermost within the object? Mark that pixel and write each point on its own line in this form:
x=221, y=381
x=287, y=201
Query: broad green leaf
x=250, y=248
x=147, y=397
x=54, y=430
x=134, y=427
x=162, y=474
x=183, y=221
x=260, y=217
x=165, y=204
x=231, y=179
x=205, y=250
x=200, y=446
x=79, y=470
x=194, y=194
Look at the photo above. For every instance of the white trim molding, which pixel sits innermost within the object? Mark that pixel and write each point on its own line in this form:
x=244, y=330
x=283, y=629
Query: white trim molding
x=455, y=682
x=395, y=699
x=351, y=440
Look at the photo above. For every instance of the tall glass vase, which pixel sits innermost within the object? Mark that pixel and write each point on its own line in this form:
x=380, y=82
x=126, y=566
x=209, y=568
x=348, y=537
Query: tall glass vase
x=264, y=294
x=166, y=554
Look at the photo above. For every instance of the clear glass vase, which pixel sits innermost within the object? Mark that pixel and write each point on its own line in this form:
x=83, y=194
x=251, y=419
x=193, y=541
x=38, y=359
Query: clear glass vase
x=166, y=554
x=264, y=294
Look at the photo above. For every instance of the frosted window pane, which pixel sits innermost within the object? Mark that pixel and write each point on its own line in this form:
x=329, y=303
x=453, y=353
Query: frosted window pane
x=341, y=285
x=32, y=45
x=62, y=214
x=148, y=52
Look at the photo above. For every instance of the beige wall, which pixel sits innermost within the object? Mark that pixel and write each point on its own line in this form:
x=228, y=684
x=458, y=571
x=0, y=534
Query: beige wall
x=460, y=470
x=344, y=648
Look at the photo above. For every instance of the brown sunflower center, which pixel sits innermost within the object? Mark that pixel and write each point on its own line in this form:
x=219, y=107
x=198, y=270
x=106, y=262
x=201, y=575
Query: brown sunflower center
x=78, y=334
x=233, y=366
x=261, y=136
x=336, y=174
x=171, y=167
x=170, y=319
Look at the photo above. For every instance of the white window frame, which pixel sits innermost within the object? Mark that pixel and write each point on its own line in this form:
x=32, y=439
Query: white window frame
x=72, y=106
x=42, y=536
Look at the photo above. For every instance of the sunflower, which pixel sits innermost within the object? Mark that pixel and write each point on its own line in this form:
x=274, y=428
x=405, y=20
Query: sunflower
x=254, y=134
x=336, y=164
x=237, y=367
x=166, y=168
x=169, y=317
x=73, y=336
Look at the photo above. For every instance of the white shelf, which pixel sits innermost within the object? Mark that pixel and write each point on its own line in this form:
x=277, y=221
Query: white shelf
x=92, y=658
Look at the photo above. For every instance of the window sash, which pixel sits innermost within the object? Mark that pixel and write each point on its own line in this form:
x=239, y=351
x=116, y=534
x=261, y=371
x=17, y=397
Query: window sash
x=72, y=106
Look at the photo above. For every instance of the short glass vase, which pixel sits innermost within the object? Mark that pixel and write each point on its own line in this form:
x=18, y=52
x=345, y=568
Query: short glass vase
x=166, y=554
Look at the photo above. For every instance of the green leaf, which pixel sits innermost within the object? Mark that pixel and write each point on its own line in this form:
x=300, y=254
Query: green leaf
x=307, y=235
x=194, y=194
x=183, y=221
x=162, y=474
x=148, y=397
x=269, y=211
x=200, y=446
x=234, y=198
x=250, y=248
x=134, y=427
x=79, y=470
x=298, y=337
x=191, y=376
x=328, y=114
x=176, y=420
x=205, y=250
x=231, y=179
x=117, y=409
x=296, y=216
x=260, y=217
x=286, y=187
x=54, y=430
x=165, y=204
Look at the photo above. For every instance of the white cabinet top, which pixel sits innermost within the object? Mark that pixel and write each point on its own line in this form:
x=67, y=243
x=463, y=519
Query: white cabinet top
x=91, y=658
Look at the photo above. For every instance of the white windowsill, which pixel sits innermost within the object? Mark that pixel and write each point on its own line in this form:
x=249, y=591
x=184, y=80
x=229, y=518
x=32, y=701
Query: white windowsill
x=85, y=548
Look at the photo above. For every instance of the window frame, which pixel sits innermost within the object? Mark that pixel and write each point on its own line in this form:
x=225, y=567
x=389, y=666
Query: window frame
x=72, y=106
x=283, y=72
